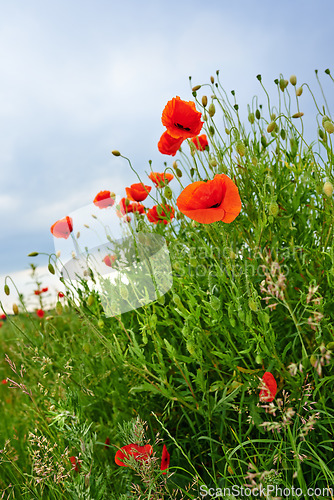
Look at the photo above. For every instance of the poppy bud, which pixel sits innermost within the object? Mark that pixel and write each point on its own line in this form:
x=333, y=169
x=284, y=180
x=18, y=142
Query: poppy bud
x=329, y=127
x=298, y=115
x=177, y=300
x=257, y=114
x=15, y=309
x=100, y=323
x=51, y=268
x=116, y=153
x=174, y=165
x=212, y=110
x=259, y=77
x=251, y=118
x=123, y=291
x=197, y=87
x=321, y=134
x=161, y=299
x=178, y=172
x=212, y=79
x=90, y=300
x=6, y=290
x=273, y=209
x=32, y=254
x=252, y=305
x=325, y=118
x=283, y=84
x=263, y=141
x=271, y=127
x=327, y=71
x=204, y=101
x=299, y=91
x=213, y=163
x=254, y=161
x=215, y=302
x=330, y=345
x=258, y=359
x=328, y=189
x=272, y=116
x=168, y=193
x=59, y=308
x=227, y=131
x=283, y=134
x=293, y=80
x=240, y=148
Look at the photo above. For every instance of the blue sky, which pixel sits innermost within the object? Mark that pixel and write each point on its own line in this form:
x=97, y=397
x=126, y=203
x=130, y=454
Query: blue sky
x=80, y=78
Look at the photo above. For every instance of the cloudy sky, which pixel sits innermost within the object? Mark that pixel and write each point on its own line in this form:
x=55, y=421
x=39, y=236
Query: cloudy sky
x=79, y=78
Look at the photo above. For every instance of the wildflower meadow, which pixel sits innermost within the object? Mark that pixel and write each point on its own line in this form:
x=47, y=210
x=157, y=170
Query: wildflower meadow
x=188, y=351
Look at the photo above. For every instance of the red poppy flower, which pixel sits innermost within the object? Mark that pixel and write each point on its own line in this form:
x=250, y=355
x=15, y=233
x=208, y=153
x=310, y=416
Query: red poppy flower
x=165, y=459
x=126, y=208
x=45, y=289
x=210, y=201
x=4, y=381
x=138, y=452
x=61, y=295
x=165, y=214
x=37, y=292
x=40, y=313
x=138, y=192
x=3, y=317
x=76, y=464
x=181, y=118
x=104, y=199
x=160, y=180
x=269, y=388
x=109, y=260
x=107, y=443
x=201, y=142
x=169, y=145
x=62, y=228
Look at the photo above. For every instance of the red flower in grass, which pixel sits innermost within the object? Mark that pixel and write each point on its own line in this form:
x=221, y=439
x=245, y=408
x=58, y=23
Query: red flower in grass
x=61, y=295
x=45, y=289
x=169, y=145
x=3, y=317
x=62, y=228
x=107, y=443
x=165, y=459
x=138, y=192
x=160, y=180
x=140, y=453
x=181, y=118
x=126, y=207
x=37, y=292
x=201, y=142
x=159, y=214
x=4, y=381
x=40, y=313
x=104, y=199
x=109, y=260
x=268, y=388
x=210, y=201
x=76, y=464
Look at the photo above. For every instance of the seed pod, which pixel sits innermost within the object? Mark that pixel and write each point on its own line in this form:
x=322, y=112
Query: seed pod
x=32, y=254
x=178, y=172
x=251, y=118
x=329, y=127
x=328, y=189
x=15, y=309
x=271, y=127
x=6, y=289
x=168, y=193
x=204, y=101
x=115, y=152
x=211, y=110
x=257, y=114
x=299, y=91
x=240, y=148
x=283, y=134
x=293, y=80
